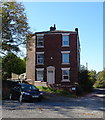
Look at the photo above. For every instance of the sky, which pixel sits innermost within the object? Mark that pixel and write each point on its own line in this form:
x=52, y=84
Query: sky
x=86, y=16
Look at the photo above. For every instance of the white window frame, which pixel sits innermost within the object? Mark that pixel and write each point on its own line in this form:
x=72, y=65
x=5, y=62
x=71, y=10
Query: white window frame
x=65, y=52
x=65, y=80
x=65, y=34
x=38, y=53
x=40, y=35
x=40, y=69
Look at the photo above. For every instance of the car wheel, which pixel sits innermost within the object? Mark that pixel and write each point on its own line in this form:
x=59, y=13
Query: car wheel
x=10, y=97
x=21, y=98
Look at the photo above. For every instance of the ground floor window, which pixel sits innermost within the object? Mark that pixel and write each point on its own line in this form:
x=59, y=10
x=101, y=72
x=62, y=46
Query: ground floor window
x=40, y=74
x=66, y=74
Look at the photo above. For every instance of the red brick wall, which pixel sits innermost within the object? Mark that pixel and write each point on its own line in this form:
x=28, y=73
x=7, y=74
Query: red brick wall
x=53, y=48
x=73, y=64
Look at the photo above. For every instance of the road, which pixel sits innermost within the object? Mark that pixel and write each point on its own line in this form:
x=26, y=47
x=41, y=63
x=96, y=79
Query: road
x=56, y=106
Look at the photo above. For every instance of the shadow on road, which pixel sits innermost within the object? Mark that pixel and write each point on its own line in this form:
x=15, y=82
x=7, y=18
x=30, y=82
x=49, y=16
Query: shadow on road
x=58, y=102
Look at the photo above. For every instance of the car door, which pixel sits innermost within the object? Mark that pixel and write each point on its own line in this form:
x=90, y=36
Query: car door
x=16, y=91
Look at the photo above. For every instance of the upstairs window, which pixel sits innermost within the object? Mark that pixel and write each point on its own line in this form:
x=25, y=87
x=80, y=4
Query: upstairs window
x=65, y=58
x=40, y=58
x=65, y=40
x=40, y=41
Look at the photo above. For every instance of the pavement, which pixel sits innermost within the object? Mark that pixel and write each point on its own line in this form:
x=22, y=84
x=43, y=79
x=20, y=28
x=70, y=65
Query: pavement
x=57, y=106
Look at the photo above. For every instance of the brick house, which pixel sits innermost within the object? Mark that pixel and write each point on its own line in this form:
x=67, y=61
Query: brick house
x=54, y=57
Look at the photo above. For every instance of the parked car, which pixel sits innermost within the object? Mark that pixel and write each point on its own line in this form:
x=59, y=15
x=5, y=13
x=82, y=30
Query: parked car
x=25, y=92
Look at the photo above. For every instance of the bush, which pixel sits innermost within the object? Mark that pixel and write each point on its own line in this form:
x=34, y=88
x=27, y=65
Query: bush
x=79, y=90
x=85, y=83
x=56, y=91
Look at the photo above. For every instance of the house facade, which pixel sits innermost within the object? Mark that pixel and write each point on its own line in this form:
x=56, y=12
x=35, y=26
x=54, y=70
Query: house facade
x=54, y=57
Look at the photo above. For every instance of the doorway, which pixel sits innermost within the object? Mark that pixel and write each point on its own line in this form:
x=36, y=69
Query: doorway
x=51, y=75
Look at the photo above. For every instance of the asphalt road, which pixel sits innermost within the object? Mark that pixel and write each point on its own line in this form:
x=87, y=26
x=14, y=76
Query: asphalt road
x=54, y=106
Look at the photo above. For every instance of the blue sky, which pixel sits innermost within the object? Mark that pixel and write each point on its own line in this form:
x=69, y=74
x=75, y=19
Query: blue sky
x=86, y=16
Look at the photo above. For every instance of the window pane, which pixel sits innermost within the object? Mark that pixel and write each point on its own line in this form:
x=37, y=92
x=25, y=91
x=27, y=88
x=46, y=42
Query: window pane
x=65, y=43
x=40, y=61
x=65, y=57
x=65, y=72
x=66, y=77
x=40, y=56
x=40, y=43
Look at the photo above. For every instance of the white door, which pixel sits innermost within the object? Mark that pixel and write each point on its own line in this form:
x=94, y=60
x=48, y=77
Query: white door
x=50, y=77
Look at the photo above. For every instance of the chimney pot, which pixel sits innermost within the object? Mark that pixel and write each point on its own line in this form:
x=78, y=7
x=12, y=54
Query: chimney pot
x=76, y=29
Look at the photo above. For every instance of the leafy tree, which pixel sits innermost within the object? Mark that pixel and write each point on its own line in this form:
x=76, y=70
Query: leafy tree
x=84, y=81
x=12, y=64
x=24, y=59
x=82, y=67
x=100, y=82
x=14, y=26
x=92, y=76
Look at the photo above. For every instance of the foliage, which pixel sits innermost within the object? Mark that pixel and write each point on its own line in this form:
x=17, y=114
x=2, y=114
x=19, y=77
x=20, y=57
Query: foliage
x=86, y=80
x=100, y=80
x=92, y=76
x=14, y=26
x=56, y=91
x=82, y=67
x=12, y=64
x=24, y=59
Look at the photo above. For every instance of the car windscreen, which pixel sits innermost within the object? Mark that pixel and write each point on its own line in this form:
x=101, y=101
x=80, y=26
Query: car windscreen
x=28, y=87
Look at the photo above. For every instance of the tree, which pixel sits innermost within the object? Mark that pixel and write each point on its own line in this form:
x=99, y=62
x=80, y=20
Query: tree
x=12, y=64
x=86, y=80
x=14, y=26
x=100, y=82
x=92, y=76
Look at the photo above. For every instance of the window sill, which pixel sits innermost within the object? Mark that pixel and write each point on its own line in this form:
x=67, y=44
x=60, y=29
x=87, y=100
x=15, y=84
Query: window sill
x=65, y=81
x=65, y=63
x=40, y=81
x=39, y=46
x=39, y=64
x=66, y=46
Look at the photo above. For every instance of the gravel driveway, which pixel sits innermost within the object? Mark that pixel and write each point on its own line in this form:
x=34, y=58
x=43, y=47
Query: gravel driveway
x=56, y=106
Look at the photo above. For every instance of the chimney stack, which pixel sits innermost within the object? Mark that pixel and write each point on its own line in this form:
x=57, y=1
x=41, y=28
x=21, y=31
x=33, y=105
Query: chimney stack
x=76, y=29
x=53, y=28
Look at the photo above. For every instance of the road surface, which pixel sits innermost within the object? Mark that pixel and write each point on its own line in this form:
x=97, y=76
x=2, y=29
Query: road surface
x=56, y=106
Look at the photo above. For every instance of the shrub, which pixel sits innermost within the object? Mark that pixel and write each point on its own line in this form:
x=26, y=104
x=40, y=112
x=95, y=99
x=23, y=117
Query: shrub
x=56, y=91
x=85, y=83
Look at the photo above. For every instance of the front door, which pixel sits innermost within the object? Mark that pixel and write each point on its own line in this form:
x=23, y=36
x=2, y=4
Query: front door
x=51, y=75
